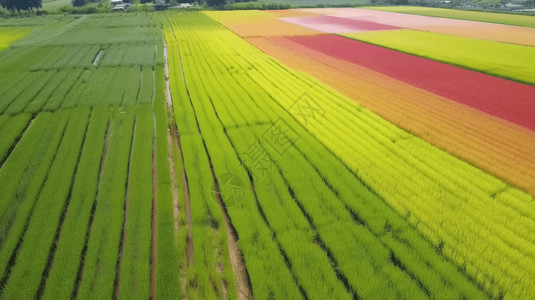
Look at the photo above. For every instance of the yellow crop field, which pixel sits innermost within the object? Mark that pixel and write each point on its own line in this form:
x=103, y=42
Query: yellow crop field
x=9, y=35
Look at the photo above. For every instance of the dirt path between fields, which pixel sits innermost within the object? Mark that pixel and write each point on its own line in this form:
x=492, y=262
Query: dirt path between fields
x=236, y=258
x=187, y=203
x=176, y=211
x=173, y=139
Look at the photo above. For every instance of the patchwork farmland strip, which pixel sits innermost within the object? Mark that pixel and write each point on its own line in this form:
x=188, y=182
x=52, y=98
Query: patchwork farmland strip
x=308, y=142
x=135, y=258
x=46, y=217
x=427, y=232
x=60, y=56
x=261, y=247
x=259, y=207
x=100, y=262
x=367, y=126
x=220, y=143
x=214, y=220
x=296, y=241
x=17, y=211
x=491, y=95
x=322, y=160
x=233, y=210
x=500, y=149
x=294, y=235
x=106, y=182
x=81, y=265
x=182, y=217
x=62, y=277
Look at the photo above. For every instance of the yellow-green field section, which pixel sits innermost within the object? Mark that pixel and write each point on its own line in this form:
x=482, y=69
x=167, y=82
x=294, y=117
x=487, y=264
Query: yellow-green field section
x=504, y=60
x=10, y=35
x=490, y=17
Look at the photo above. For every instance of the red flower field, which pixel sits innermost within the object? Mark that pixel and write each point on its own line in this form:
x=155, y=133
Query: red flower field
x=499, y=97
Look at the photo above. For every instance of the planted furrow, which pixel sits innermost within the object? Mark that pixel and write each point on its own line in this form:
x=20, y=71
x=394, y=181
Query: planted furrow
x=135, y=256
x=20, y=196
x=45, y=221
x=60, y=283
x=97, y=277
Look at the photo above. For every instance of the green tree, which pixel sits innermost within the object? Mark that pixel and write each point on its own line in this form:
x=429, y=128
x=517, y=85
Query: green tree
x=9, y=5
x=19, y=5
x=215, y=3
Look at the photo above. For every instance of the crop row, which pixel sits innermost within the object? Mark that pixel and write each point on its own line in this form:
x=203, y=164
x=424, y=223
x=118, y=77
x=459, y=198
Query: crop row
x=38, y=75
x=51, y=90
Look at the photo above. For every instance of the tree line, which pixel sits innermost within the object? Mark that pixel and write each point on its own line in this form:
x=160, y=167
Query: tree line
x=21, y=5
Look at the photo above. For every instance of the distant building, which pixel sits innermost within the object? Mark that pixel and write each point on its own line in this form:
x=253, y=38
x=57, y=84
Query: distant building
x=119, y=5
x=512, y=5
x=116, y=2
